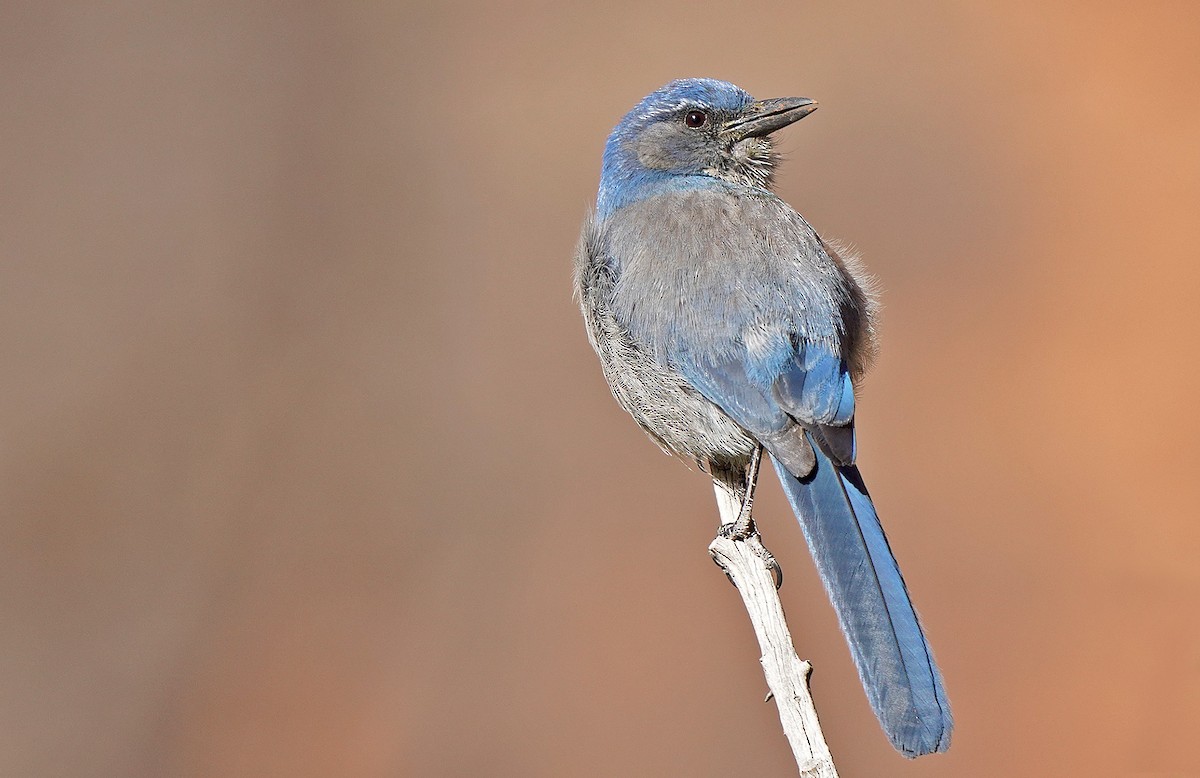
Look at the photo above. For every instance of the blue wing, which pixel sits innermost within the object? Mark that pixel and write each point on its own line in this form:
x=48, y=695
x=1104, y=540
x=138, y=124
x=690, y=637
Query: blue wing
x=801, y=408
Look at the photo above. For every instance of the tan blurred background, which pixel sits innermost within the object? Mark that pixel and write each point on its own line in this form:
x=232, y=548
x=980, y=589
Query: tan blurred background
x=308, y=469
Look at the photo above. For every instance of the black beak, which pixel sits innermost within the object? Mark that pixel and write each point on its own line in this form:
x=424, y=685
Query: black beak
x=764, y=117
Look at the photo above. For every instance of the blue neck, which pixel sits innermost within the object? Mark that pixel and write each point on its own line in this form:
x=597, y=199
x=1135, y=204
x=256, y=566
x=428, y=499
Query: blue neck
x=624, y=179
x=621, y=187
x=641, y=184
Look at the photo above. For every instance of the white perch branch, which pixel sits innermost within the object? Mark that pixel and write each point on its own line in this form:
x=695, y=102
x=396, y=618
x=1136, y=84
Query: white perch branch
x=787, y=675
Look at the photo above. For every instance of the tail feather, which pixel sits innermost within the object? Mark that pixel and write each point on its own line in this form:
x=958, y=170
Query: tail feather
x=860, y=574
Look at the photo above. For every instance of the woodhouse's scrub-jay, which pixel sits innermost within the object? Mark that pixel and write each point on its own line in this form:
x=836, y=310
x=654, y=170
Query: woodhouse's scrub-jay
x=725, y=325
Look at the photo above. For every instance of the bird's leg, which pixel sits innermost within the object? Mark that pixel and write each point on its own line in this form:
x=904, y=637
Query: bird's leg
x=743, y=526
x=743, y=529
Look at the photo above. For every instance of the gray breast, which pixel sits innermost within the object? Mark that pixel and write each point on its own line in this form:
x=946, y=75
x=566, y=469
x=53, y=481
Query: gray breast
x=660, y=400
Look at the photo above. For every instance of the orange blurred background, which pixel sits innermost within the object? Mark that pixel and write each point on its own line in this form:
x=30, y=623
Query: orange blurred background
x=308, y=469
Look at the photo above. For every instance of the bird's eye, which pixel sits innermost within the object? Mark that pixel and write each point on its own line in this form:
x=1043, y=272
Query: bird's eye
x=695, y=119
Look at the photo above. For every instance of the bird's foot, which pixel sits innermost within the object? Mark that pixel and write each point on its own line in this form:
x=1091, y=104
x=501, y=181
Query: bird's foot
x=747, y=533
x=767, y=557
x=737, y=530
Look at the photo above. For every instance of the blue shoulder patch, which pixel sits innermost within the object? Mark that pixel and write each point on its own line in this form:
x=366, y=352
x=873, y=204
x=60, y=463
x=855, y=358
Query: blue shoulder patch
x=815, y=387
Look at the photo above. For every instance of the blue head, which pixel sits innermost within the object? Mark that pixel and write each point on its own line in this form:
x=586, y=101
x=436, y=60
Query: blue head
x=690, y=128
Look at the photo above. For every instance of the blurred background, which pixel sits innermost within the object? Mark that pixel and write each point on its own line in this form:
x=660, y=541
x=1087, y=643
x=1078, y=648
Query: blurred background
x=308, y=469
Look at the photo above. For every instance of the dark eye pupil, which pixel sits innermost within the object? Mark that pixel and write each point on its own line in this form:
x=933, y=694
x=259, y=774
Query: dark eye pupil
x=695, y=118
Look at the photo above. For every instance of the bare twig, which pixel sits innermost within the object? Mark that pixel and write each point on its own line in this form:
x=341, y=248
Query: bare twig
x=745, y=562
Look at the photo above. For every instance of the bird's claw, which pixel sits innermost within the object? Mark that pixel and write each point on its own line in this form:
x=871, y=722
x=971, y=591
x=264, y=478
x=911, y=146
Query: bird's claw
x=768, y=559
x=750, y=537
x=737, y=530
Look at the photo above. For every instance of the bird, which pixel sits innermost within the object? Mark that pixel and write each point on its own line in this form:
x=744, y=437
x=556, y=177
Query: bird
x=731, y=332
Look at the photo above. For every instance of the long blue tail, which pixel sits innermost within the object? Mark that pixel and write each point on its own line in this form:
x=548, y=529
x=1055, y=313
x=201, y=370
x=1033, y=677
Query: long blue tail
x=852, y=555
